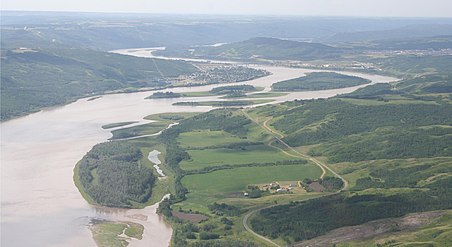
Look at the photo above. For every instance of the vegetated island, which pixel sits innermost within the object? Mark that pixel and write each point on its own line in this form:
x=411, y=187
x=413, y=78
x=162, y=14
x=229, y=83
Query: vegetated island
x=110, y=174
x=319, y=81
x=164, y=95
x=228, y=91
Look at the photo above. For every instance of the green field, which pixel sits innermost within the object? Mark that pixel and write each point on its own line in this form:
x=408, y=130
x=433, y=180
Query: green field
x=206, y=188
x=206, y=138
x=222, y=156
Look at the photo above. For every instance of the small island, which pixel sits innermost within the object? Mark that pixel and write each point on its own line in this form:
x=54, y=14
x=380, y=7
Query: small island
x=319, y=81
x=164, y=95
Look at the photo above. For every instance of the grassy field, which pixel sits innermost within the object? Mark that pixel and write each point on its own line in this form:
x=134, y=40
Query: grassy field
x=206, y=138
x=205, y=189
x=221, y=156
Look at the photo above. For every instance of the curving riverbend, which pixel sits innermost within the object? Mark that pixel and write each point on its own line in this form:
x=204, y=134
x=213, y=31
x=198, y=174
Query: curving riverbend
x=40, y=205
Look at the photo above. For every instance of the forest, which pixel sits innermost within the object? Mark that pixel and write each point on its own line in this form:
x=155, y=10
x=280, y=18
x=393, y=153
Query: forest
x=112, y=175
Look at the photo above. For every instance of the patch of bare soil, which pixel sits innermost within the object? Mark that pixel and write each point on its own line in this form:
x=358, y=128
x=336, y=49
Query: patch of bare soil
x=195, y=218
x=316, y=187
x=373, y=229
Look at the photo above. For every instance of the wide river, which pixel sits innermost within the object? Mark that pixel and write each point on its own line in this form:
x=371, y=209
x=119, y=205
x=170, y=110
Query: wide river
x=40, y=205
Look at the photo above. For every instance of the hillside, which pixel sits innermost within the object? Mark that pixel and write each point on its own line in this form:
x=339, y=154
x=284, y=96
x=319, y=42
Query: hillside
x=36, y=78
x=391, y=142
x=265, y=48
x=405, y=32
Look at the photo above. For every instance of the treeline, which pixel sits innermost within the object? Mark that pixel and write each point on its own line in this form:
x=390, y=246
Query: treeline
x=319, y=81
x=162, y=95
x=112, y=176
x=233, y=166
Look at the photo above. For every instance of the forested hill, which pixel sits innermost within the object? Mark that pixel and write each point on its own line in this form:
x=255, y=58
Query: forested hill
x=267, y=48
x=33, y=78
x=392, y=142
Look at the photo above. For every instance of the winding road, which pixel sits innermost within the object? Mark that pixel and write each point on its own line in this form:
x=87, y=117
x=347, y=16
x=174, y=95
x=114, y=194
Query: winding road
x=277, y=137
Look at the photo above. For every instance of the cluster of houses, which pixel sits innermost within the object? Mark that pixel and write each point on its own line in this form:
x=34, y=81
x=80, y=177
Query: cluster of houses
x=278, y=188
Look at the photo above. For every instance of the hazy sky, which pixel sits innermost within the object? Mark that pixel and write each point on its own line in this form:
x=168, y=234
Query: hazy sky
x=399, y=8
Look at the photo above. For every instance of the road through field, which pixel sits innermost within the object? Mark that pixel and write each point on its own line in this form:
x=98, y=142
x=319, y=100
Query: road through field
x=277, y=137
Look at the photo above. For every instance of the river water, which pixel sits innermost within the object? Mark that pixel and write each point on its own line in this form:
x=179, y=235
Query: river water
x=40, y=205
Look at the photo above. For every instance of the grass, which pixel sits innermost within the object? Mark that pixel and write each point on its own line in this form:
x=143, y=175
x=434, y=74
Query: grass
x=205, y=189
x=221, y=156
x=108, y=234
x=206, y=138
x=145, y=129
x=134, y=230
x=114, y=125
x=161, y=122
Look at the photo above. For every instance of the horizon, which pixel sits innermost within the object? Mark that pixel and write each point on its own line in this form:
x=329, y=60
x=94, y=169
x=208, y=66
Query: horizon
x=299, y=8
x=75, y=12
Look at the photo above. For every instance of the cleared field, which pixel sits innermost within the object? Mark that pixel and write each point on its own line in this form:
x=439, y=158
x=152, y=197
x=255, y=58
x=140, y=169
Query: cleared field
x=206, y=188
x=206, y=138
x=221, y=156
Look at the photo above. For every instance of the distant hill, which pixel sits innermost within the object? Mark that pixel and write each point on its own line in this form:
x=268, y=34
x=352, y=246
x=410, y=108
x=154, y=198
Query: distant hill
x=423, y=43
x=410, y=31
x=36, y=78
x=267, y=48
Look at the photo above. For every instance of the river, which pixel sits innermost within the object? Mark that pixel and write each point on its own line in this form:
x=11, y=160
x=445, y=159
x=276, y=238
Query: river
x=40, y=205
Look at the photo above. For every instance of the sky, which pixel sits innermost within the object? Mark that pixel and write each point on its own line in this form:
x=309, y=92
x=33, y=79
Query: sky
x=371, y=8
